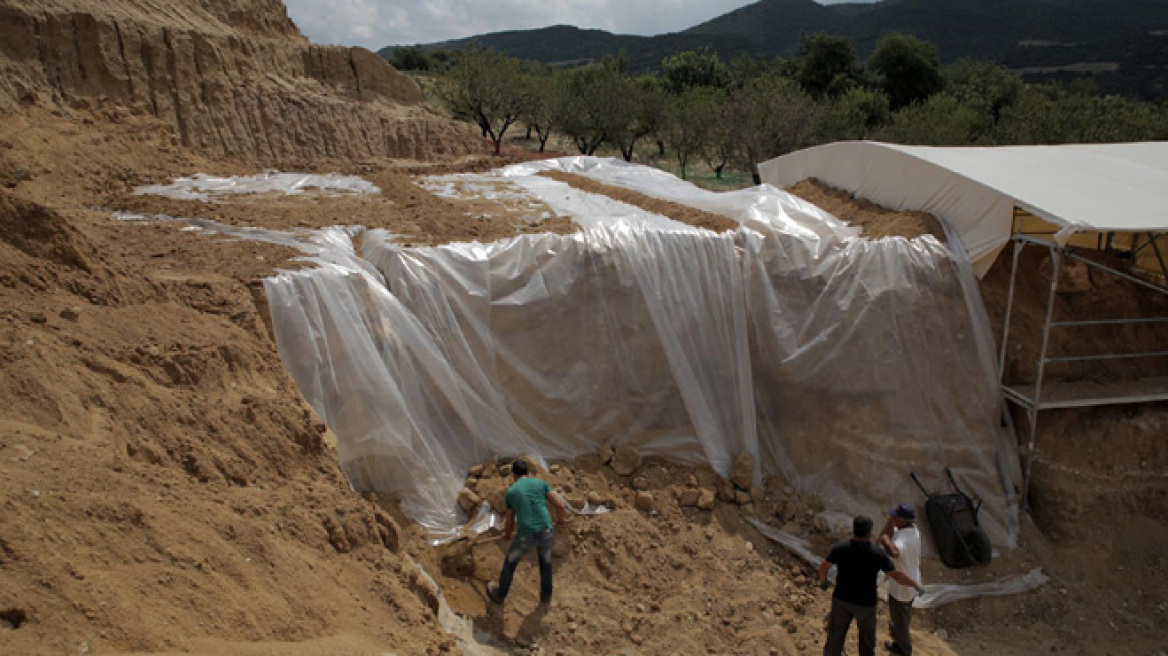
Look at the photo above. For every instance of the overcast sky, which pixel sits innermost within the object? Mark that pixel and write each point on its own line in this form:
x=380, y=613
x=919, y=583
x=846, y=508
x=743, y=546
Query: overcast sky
x=379, y=23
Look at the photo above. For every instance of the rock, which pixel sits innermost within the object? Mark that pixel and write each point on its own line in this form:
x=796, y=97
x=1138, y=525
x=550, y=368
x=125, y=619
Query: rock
x=71, y=313
x=468, y=500
x=726, y=491
x=742, y=473
x=606, y=454
x=640, y=483
x=757, y=494
x=598, y=499
x=562, y=544
x=644, y=502
x=554, y=469
x=458, y=561
x=706, y=500
x=741, y=498
x=505, y=470
x=689, y=497
x=475, y=471
x=625, y=460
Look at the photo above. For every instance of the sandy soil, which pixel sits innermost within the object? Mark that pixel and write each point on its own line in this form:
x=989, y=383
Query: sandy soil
x=165, y=489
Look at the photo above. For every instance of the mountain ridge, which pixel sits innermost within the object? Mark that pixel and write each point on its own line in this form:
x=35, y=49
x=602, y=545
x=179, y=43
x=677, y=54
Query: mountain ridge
x=1014, y=33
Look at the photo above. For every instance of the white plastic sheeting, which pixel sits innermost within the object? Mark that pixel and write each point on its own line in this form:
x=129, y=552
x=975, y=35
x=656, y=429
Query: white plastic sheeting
x=842, y=363
x=936, y=594
x=205, y=187
x=1081, y=187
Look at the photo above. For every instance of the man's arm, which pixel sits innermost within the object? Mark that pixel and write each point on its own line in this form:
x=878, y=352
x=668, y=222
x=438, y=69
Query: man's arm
x=824, y=568
x=885, y=539
x=904, y=579
x=889, y=546
x=509, y=525
x=557, y=504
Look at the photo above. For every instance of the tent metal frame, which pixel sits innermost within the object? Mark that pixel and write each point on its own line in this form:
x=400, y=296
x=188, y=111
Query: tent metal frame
x=1031, y=397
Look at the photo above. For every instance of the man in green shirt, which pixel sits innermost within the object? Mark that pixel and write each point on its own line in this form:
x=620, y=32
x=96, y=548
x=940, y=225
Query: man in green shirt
x=527, y=505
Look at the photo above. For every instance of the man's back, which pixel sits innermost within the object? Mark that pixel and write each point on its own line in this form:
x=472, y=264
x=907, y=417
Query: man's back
x=527, y=498
x=908, y=543
x=859, y=562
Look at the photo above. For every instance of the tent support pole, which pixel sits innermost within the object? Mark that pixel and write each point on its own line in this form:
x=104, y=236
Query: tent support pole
x=1159, y=256
x=1055, y=262
x=1009, y=309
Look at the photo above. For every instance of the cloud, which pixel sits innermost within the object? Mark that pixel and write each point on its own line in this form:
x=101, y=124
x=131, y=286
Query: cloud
x=378, y=23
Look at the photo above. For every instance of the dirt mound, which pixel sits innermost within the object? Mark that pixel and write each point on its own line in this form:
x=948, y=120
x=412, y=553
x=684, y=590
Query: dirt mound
x=675, y=211
x=618, y=575
x=164, y=486
x=875, y=220
x=233, y=79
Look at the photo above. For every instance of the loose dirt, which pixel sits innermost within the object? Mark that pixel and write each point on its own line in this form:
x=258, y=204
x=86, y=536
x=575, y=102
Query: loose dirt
x=164, y=489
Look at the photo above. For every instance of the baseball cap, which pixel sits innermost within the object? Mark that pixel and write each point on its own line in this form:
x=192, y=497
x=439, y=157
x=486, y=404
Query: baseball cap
x=903, y=511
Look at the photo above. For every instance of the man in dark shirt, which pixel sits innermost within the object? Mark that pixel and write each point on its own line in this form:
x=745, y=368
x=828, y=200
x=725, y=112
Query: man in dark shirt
x=858, y=562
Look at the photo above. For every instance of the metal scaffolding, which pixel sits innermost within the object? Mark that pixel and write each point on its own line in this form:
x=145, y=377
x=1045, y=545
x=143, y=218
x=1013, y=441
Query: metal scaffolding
x=1044, y=395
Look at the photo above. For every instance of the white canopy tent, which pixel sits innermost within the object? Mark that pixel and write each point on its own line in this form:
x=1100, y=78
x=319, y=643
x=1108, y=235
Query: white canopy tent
x=1092, y=188
x=1098, y=188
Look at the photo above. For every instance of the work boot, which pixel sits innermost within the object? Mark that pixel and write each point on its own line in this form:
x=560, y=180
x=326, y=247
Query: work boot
x=493, y=593
x=894, y=648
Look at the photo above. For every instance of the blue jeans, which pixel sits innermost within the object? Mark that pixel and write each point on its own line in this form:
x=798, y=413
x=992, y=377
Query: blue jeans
x=542, y=542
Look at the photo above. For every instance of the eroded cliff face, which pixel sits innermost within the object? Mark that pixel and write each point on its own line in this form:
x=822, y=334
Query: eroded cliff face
x=234, y=79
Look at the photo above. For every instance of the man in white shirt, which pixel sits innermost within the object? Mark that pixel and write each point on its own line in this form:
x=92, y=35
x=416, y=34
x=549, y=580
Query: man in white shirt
x=901, y=539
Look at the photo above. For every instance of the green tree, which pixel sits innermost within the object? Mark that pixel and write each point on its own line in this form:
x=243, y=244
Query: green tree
x=486, y=87
x=687, y=119
x=1053, y=114
x=855, y=114
x=593, y=104
x=541, y=104
x=411, y=58
x=700, y=68
x=770, y=116
x=646, y=110
x=908, y=69
x=826, y=65
x=984, y=85
x=942, y=120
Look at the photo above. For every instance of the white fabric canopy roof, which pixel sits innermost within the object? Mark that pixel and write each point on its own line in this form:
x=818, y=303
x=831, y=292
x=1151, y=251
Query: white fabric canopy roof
x=1099, y=187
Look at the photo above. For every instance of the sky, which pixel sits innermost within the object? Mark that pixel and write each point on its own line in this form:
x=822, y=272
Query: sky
x=379, y=23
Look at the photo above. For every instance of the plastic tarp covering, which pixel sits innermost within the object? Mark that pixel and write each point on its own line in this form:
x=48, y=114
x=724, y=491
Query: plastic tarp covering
x=205, y=187
x=936, y=594
x=842, y=363
x=1080, y=187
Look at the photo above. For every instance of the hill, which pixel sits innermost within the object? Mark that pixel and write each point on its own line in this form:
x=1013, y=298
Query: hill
x=1014, y=33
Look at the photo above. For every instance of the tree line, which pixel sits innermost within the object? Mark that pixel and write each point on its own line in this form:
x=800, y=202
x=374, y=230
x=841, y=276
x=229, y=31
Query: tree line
x=751, y=109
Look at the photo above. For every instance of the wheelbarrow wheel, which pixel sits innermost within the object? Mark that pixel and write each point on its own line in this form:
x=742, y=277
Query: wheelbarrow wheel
x=978, y=543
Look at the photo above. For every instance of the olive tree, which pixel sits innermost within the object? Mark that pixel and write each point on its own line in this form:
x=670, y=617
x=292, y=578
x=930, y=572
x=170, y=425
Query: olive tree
x=688, y=118
x=486, y=87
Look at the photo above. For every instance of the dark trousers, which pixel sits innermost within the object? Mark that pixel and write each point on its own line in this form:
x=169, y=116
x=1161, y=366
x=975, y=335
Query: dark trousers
x=842, y=614
x=542, y=543
x=899, y=619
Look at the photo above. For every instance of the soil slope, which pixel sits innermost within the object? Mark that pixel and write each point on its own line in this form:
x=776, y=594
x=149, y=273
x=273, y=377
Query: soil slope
x=233, y=78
